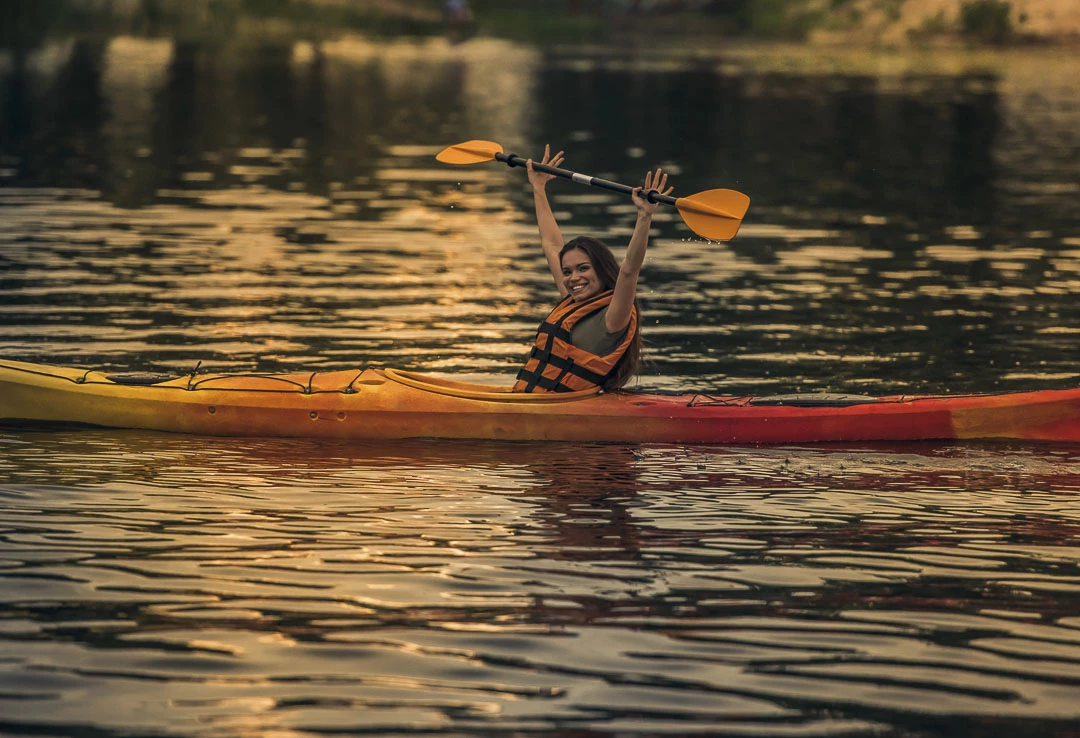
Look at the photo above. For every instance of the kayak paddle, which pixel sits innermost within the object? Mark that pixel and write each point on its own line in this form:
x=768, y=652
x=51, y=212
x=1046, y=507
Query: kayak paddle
x=713, y=214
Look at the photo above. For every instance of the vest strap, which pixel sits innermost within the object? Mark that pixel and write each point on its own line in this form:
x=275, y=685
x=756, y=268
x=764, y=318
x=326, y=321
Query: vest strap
x=566, y=366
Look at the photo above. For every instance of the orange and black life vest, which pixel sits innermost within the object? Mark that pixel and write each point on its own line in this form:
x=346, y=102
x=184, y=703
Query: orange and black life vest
x=556, y=365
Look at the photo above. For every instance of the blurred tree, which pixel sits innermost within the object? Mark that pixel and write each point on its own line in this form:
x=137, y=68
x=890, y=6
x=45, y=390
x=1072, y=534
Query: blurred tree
x=24, y=24
x=986, y=20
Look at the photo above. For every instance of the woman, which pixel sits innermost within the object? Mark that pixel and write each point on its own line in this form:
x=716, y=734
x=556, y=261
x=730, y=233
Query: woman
x=592, y=337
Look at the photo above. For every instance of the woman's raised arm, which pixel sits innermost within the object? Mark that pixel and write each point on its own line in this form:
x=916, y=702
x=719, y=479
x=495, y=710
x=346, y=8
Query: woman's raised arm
x=550, y=236
x=622, y=302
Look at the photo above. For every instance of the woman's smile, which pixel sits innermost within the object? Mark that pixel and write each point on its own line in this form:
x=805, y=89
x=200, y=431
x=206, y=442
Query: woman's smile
x=579, y=278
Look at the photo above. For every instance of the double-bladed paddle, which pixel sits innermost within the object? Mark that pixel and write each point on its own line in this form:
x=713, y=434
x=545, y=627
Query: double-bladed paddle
x=713, y=214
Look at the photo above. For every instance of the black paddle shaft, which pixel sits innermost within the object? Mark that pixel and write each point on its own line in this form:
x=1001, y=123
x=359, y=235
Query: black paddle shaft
x=513, y=160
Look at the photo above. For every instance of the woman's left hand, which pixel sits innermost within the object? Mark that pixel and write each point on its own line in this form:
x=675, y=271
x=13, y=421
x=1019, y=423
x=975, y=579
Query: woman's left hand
x=654, y=182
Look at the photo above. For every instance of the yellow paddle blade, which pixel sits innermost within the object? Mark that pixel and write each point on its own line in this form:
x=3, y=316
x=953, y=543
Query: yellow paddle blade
x=714, y=214
x=470, y=152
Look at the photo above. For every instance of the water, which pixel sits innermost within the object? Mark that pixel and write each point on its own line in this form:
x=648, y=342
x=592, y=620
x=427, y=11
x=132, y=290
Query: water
x=273, y=207
x=167, y=585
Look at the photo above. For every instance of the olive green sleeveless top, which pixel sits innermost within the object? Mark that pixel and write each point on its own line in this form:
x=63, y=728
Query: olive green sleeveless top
x=591, y=334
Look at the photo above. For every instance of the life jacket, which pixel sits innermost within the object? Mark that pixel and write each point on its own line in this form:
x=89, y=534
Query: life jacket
x=556, y=365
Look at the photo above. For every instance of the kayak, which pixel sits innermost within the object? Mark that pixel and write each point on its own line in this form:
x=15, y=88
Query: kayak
x=391, y=404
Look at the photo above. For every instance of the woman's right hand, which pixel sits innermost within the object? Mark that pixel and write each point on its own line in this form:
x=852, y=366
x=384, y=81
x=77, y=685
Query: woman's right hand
x=540, y=179
x=655, y=183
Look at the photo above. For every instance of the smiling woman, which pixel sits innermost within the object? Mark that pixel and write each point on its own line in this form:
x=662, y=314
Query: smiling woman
x=592, y=337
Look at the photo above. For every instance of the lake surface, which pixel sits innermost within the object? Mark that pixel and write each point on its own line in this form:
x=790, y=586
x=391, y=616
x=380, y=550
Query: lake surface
x=913, y=228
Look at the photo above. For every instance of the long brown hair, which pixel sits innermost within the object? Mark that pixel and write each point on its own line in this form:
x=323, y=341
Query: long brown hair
x=607, y=269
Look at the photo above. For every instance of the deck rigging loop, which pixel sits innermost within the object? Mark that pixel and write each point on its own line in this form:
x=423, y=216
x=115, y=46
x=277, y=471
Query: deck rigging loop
x=349, y=388
x=191, y=375
x=700, y=400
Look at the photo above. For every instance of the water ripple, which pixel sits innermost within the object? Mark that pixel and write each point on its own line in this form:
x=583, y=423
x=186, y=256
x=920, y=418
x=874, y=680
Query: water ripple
x=485, y=586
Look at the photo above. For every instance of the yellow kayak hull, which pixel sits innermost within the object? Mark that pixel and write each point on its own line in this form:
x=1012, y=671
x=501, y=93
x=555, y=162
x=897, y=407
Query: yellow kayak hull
x=387, y=404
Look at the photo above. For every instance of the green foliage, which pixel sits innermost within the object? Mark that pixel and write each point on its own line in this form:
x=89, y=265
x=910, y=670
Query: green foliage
x=26, y=23
x=313, y=20
x=784, y=19
x=932, y=27
x=525, y=25
x=894, y=9
x=987, y=21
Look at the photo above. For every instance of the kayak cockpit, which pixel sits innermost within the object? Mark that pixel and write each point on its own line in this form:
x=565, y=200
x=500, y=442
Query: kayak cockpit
x=489, y=393
x=140, y=379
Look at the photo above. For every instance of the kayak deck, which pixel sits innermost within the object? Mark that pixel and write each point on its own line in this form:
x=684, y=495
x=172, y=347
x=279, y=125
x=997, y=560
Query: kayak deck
x=389, y=403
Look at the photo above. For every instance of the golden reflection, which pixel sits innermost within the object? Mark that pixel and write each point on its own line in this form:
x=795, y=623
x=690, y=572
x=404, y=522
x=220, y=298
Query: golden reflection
x=135, y=71
x=197, y=644
x=50, y=58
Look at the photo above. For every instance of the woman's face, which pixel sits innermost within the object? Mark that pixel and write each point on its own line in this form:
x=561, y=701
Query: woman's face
x=580, y=279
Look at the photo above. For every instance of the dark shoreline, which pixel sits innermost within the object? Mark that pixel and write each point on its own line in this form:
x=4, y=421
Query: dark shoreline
x=30, y=22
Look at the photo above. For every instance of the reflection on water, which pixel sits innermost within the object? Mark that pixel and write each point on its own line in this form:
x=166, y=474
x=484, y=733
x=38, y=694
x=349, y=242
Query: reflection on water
x=295, y=586
x=913, y=228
